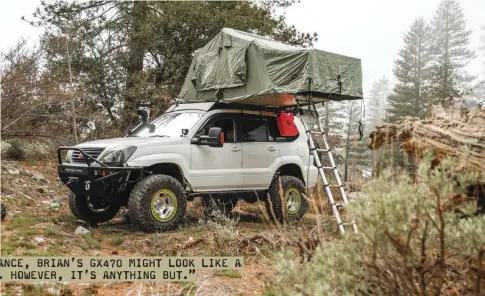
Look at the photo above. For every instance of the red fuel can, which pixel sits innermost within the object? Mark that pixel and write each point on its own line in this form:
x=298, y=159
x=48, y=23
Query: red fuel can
x=286, y=124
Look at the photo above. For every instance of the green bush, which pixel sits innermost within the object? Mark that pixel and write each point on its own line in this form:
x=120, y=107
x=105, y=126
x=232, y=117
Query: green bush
x=15, y=151
x=412, y=241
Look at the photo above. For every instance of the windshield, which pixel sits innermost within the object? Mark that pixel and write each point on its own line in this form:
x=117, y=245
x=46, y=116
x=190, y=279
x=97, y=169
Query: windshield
x=170, y=125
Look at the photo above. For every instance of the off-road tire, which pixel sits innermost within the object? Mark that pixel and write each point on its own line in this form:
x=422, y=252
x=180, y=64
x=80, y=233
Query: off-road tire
x=79, y=207
x=142, y=197
x=224, y=205
x=276, y=208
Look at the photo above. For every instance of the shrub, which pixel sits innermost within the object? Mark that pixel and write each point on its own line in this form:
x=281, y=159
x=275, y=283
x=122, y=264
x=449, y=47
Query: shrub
x=15, y=151
x=412, y=241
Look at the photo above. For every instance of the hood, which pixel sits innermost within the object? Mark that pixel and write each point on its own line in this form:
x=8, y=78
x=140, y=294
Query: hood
x=128, y=141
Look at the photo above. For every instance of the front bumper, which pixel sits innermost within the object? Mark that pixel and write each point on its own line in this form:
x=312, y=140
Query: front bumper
x=95, y=178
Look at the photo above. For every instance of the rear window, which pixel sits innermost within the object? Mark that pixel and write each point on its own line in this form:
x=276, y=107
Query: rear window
x=262, y=129
x=255, y=130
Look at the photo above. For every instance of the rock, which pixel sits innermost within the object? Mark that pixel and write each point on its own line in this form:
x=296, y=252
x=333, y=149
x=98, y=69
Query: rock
x=39, y=239
x=39, y=177
x=13, y=172
x=58, y=200
x=40, y=190
x=81, y=230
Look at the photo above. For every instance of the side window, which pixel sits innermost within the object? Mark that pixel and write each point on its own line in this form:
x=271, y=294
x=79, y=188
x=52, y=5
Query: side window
x=255, y=130
x=275, y=132
x=226, y=124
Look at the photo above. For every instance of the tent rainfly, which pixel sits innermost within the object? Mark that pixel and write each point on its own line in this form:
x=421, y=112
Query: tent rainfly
x=240, y=67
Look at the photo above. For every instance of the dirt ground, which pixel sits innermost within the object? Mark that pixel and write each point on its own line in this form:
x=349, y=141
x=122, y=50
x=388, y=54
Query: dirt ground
x=37, y=226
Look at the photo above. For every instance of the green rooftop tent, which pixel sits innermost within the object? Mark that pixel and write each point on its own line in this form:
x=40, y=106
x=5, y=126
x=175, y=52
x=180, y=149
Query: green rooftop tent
x=240, y=67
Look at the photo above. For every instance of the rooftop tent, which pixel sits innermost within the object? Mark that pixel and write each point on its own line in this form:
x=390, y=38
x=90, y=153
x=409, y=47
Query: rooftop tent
x=245, y=68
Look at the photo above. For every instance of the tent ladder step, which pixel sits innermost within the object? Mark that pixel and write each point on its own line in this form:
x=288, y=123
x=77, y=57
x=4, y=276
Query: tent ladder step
x=335, y=205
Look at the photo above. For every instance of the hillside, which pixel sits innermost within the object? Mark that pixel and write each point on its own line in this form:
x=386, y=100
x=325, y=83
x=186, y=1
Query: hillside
x=39, y=223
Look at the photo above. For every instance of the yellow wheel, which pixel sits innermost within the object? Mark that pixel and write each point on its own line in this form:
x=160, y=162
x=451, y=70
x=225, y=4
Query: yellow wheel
x=157, y=203
x=164, y=205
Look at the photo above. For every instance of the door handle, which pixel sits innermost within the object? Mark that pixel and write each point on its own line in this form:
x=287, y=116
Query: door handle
x=271, y=148
x=235, y=149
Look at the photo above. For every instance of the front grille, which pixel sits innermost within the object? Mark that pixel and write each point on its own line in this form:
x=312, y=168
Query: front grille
x=77, y=157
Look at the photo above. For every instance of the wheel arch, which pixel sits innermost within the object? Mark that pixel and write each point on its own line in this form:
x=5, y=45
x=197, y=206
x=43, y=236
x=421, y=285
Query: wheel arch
x=291, y=169
x=170, y=169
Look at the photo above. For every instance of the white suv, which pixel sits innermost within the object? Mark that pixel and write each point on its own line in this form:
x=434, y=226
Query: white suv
x=222, y=153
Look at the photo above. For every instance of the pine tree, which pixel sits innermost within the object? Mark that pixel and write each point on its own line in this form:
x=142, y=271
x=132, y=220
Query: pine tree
x=482, y=49
x=351, y=131
x=413, y=72
x=331, y=114
x=450, y=52
x=479, y=89
x=376, y=104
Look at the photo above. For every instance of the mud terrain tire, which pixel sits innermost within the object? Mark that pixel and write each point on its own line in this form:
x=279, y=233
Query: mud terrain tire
x=80, y=207
x=157, y=203
x=278, y=207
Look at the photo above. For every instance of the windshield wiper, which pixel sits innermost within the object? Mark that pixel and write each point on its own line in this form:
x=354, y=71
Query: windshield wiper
x=161, y=136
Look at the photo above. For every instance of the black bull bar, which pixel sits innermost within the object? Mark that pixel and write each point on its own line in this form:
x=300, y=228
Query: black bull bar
x=99, y=179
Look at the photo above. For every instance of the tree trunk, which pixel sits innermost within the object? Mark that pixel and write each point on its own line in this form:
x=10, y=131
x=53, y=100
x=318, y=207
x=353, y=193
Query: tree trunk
x=134, y=67
x=347, y=145
x=443, y=134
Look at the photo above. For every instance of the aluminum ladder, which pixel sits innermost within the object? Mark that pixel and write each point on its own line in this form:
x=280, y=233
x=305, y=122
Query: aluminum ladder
x=336, y=206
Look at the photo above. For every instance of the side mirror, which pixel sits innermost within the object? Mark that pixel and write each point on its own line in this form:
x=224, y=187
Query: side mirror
x=215, y=138
x=143, y=113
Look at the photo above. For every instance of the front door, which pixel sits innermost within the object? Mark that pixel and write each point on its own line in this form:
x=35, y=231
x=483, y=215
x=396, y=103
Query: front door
x=261, y=156
x=217, y=168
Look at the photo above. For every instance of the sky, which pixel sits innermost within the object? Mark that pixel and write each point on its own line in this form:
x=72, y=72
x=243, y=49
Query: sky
x=371, y=30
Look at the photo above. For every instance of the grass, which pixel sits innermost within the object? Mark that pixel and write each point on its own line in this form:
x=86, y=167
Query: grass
x=8, y=248
x=27, y=232
x=66, y=217
x=27, y=245
x=229, y=273
x=190, y=289
x=117, y=240
x=90, y=242
x=51, y=232
x=22, y=221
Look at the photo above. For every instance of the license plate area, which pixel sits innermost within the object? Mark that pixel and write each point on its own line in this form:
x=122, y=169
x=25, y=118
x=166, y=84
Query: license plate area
x=84, y=186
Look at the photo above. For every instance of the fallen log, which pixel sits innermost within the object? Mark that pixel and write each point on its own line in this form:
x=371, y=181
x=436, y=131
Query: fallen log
x=446, y=132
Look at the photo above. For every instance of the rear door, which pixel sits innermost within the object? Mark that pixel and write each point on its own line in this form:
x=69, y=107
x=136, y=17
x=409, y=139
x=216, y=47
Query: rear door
x=261, y=155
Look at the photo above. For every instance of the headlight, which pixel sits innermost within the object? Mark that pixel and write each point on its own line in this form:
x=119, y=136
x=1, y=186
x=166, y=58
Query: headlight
x=118, y=154
x=68, y=156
